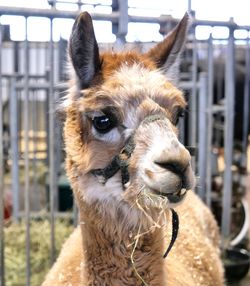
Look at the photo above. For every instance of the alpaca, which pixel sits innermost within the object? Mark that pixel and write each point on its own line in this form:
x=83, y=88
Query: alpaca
x=128, y=169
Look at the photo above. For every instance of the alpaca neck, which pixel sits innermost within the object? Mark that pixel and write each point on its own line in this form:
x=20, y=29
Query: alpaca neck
x=114, y=258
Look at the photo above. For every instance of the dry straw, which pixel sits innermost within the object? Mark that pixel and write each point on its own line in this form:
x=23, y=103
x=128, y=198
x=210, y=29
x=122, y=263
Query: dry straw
x=39, y=249
x=145, y=198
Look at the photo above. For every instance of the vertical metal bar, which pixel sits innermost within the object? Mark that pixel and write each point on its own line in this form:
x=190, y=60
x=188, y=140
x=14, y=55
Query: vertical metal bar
x=189, y=6
x=202, y=135
x=123, y=19
x=120, y=29
x=14, y=133
x=2, y=276
x=26, y=152
x=79, y=4
x=14, y=148
x=209, y=121
x=181, y=127
x=35, y=119
x=34, y=145
x=52, y=188
x=246, y=98
x=228, y=141
x=192, y=139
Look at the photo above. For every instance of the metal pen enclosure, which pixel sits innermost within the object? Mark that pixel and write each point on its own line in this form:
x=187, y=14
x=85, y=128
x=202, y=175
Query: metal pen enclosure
x=32, y=81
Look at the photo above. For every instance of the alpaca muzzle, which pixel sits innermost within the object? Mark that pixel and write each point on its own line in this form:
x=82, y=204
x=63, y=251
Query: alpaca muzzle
x=121, y=162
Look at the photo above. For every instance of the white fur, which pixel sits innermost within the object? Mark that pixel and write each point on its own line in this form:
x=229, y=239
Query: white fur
x=111, y=137
x=139, y=78
x=110, y=191
x=111, y=197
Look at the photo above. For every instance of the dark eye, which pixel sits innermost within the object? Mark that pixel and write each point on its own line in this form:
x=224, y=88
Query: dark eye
x=180, y=113
x=104, y=123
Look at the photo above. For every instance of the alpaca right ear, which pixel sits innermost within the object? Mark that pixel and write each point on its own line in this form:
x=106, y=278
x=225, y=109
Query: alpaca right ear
x=166, y=54
x=83, y=50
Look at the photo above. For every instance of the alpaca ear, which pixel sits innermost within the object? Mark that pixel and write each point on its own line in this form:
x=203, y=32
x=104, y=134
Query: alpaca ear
x=167, y=53
x=83, y=50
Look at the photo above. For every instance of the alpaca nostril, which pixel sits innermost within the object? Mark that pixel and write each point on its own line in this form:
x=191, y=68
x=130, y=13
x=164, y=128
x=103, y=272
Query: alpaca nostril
x=173, y=166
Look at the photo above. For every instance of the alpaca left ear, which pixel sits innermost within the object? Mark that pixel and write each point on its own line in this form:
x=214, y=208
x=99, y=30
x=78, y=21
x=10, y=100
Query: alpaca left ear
x=84, y=51
x=167, y=53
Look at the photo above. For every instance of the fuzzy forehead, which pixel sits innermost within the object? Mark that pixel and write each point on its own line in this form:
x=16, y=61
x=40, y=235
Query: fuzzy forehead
x=113, y=61
x=136, y=82
x=137, y=77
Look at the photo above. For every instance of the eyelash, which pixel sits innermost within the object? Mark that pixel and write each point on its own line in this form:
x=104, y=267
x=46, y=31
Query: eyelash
x=180, y=113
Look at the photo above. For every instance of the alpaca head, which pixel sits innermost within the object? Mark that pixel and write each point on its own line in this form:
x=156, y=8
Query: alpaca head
x=121, y=98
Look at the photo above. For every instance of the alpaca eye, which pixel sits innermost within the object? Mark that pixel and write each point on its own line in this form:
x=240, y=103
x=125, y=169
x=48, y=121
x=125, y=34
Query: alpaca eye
x=176, y=118
x=104, y=123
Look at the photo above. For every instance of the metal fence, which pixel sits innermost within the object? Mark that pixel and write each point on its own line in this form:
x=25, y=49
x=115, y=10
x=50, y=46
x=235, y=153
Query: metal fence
x=31, y=153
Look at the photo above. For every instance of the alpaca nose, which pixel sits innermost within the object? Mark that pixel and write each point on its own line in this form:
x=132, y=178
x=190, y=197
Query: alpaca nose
x=175, y=167
x=176, y=161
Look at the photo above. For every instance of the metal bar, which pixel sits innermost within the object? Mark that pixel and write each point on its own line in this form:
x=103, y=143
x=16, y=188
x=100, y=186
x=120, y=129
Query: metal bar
x=14, y=148
x=53, y=13
x=79, y=4
x=26, y=153
x=38, y=215
x=218, y=108
x=229, y=24
x=188, y=85
x=52, y=3
x=228, y=141
x=2, y=274
x=195, y=22
x=192, y=123
x=62, y=86
x=189, y=8
x=35, y=116
x=114, y=17
x=246, y=98
x=52, y=188
x=209, y=122
x=20, y=76
x=42, y=85
x=34, y=151
x=202, y=135
x=181, y=128
x=123, y=20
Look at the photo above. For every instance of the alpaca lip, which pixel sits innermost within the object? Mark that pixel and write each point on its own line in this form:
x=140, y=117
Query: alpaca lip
x=175, y=197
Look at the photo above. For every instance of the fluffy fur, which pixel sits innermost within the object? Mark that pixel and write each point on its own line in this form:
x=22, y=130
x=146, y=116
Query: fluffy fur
x=194, y=259
x=125, y=230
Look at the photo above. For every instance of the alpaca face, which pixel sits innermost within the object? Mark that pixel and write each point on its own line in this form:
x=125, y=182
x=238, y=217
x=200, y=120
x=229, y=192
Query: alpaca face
x=118, y=96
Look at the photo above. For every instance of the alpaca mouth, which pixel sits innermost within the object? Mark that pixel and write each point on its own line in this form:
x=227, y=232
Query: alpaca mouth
x=173, y=198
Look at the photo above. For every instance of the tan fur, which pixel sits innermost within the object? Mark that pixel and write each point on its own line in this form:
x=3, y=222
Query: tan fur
x=192, y=261
x=125, y=230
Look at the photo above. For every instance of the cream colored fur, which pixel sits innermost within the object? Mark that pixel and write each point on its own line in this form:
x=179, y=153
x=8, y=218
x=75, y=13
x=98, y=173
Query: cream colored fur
x=194, y=259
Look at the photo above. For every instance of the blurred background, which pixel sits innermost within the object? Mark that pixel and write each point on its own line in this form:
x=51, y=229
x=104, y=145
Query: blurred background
x=37, y=210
